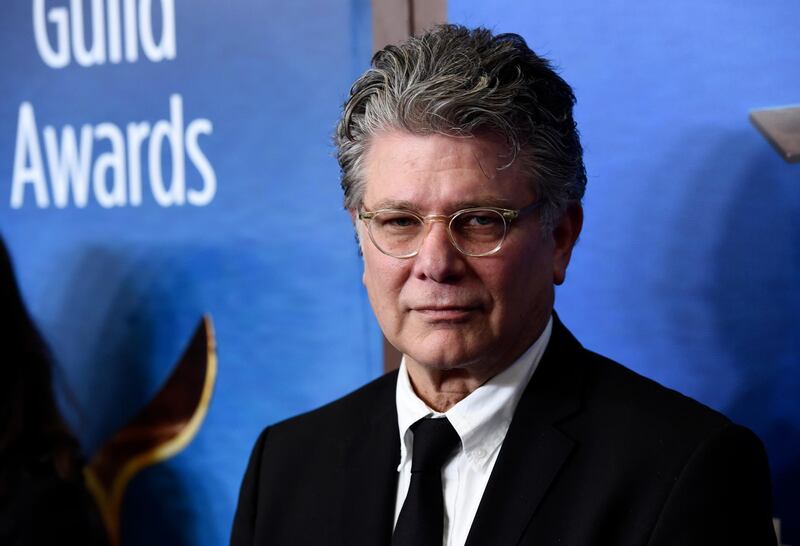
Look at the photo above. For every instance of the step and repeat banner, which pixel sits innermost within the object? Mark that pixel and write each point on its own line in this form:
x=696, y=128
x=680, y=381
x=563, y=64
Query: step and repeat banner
x=161, y=160
x=688, y=268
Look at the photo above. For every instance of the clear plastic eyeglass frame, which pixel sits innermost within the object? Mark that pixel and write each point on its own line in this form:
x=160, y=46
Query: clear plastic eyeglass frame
x=508, y=216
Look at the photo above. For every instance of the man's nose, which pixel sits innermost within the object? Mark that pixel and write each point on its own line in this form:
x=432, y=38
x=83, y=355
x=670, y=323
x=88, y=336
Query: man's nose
x=438, y=259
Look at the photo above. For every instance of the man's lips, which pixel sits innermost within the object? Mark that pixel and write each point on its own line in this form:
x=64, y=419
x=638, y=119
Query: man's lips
x=445, y=312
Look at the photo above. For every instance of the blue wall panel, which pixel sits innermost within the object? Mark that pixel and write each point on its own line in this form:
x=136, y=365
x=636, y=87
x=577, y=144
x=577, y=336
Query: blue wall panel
x=265, y=249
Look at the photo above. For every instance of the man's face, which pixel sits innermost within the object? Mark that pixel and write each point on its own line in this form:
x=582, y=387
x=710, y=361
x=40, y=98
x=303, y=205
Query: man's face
x=442, y=309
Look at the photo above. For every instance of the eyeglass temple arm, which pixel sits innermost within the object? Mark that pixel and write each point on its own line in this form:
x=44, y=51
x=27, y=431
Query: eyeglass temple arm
x=514, y=214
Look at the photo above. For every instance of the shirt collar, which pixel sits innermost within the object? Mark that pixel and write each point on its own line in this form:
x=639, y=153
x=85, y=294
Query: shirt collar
x=483, y=417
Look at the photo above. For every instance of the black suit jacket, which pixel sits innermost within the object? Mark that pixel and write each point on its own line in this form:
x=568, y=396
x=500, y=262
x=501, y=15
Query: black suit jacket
x=595, y=455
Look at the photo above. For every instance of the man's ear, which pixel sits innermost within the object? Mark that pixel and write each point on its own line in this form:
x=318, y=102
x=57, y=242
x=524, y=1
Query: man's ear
x=354, y=217
x=565, y=233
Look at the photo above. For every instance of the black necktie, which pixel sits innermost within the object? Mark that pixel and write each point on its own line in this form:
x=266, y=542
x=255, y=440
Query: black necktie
x=422, y=516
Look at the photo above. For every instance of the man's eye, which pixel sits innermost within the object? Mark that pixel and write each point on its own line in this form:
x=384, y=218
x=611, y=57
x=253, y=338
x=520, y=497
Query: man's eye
x=404, y=221
x=476, y=220
x=397, y=221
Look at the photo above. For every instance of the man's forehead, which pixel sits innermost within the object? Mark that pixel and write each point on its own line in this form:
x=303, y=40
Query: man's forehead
x=398, y=148
x=437, y=172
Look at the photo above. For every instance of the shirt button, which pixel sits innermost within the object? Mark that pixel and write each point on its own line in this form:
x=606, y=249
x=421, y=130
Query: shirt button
x=480, y=454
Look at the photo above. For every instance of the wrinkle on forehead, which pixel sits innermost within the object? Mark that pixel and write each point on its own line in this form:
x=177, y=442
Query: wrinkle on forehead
x=438, y=174
x=483, y=151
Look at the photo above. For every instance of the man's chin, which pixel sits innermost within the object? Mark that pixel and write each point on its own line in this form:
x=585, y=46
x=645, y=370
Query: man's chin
x=445, y=358
x=443, y=347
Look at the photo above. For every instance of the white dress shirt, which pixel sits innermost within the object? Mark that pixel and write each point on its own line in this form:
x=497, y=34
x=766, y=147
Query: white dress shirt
x=481, y=421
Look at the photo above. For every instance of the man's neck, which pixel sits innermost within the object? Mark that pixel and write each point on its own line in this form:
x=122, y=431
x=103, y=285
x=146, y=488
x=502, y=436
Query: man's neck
x=443, y=389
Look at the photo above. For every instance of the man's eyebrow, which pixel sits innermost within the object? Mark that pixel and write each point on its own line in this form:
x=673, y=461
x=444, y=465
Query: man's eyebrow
x=393, y=204
x=485, y=201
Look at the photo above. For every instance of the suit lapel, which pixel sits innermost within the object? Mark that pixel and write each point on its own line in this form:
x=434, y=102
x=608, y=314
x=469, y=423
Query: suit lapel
x=369, y=476
x=534, y=448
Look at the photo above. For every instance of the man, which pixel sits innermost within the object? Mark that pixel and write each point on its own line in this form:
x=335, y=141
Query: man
x=463, y=174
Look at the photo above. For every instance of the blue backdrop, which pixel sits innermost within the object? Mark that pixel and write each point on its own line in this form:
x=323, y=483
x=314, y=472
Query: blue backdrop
x=688, y=267
x=119, y=252
x=185, y=167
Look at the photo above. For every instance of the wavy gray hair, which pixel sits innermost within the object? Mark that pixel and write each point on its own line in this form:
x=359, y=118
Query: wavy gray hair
x=466, y=82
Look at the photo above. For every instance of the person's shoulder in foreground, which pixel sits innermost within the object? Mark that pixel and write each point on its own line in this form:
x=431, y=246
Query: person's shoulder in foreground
x=654, y=466
x=298, y=487
x=463, y=174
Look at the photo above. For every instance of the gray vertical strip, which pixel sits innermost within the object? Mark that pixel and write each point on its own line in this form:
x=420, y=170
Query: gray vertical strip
x=394, y=20
x=427, y=13
x=391, y=22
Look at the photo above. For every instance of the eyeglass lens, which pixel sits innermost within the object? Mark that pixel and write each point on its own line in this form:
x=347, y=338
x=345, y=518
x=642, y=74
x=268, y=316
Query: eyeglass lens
x=473, y=232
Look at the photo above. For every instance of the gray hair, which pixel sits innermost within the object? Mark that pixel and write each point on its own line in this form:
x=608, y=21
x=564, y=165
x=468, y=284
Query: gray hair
x=467, y=82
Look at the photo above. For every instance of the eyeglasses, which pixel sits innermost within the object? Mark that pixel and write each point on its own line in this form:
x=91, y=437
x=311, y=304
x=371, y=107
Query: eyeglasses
x=478, y=231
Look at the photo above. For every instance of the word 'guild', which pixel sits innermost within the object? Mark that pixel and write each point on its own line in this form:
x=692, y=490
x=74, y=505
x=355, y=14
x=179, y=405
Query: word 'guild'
x=112, y=25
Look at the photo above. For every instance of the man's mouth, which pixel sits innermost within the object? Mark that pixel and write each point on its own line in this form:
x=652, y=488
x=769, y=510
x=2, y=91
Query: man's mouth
x=445, y=313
